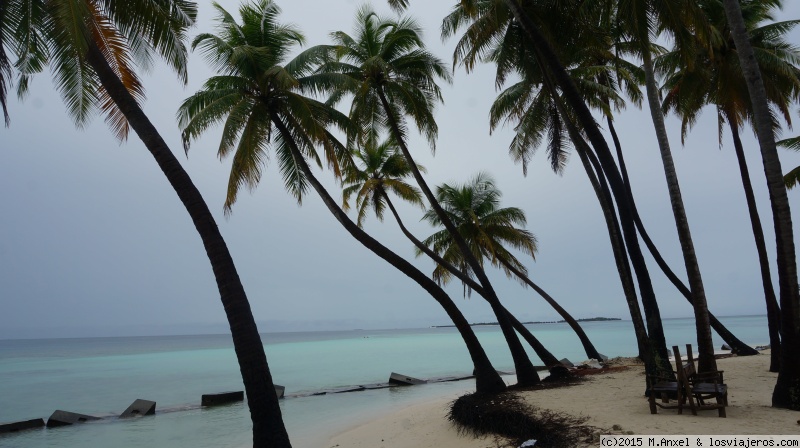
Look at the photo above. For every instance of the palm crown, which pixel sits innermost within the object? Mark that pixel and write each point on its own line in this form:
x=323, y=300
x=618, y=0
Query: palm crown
x=255, y=94
x=60, y=34
x=379, y=168
x=488, y=229
x=716, y=78
x=385, y=58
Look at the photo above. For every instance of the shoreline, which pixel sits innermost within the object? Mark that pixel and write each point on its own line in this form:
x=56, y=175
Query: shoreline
x=609, y=400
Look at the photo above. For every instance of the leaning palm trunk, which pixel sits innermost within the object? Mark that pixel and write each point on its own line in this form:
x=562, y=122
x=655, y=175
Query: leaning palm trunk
x=737, y=346
x=547, y=358
x=575, y=100
x=601, y=190
x=265, y=412
x=787, y=388
x=705, y=346
x=487, y=380
x=773, y=311
x=526, y=373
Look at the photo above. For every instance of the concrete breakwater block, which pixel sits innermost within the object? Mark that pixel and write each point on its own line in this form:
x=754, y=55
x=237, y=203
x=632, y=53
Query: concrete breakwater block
x=139, y=408
x=567, y=363
x=280, y=390
x=398, y=378
x=221, y=398
x=21, y=426
x=65, y=418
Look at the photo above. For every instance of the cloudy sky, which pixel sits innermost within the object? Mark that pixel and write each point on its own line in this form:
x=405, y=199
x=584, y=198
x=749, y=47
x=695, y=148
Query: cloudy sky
x=95, y=242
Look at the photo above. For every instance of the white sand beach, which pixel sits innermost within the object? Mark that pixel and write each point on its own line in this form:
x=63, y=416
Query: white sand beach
x=607, y=400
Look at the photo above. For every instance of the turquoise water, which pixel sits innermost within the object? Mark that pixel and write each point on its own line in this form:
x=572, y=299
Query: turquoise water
x=102, y=376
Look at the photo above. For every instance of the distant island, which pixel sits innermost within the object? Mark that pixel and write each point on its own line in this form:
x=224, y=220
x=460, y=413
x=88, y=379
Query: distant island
x=588, y=319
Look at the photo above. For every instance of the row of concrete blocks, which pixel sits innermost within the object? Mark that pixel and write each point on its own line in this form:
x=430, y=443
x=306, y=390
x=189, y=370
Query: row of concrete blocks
x=66, y=418
x=136, y=409
x=146, y=407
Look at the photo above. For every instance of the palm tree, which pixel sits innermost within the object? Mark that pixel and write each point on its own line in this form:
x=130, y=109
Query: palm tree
x=89, y=46
x=261, y=99
x=787, y=388
x=641, y=22
x=716, y=78
x=391, y=77
x=488, y=230
x=383, y=169
x=494, y=32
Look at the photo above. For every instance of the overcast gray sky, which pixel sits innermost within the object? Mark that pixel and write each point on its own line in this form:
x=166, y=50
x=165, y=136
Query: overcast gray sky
x=93, y=240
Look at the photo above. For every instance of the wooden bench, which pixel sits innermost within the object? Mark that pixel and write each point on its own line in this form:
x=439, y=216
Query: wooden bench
x=664, y=388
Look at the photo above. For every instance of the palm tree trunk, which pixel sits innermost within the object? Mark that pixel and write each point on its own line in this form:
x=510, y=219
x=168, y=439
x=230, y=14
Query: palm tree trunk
x=618, y=245
x=773, y=311
x=787, y=388
x=705, y=346
x=265, y=412
x=737, y=346
x=487, y=380
x=526, y=373
x=584, y=116
x=547, y=358
x=600, y=187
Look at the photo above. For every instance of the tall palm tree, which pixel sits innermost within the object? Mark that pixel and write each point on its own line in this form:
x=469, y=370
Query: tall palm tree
x=92, y=47
x=261, y=98
x=489, y=230
x=379, y=169
x=495, y=33
x=787, y=389
x=392, y=78
x=641, y=22
x=716, y=78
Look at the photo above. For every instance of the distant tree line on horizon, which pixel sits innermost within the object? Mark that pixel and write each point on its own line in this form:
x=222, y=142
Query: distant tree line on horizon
x=589, y=319
x=350, y=106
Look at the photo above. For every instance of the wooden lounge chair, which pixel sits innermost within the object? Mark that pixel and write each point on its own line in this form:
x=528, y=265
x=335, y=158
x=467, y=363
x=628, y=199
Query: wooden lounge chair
x=699, y=388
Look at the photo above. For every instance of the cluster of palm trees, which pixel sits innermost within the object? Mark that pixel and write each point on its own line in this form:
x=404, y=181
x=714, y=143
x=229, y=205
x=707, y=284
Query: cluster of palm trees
x=352, y=104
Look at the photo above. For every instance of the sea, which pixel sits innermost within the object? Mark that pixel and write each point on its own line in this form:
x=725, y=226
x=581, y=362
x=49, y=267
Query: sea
x=102, y=376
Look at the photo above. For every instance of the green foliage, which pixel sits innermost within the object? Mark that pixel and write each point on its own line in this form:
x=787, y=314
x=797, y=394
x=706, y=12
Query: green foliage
x=379, y=168
x=384, y=57
x=5, y=63
x=791, y=178
x=474, y=208
x=533, y=105
x=715, y=77
x=257, y=94
x=58, y=34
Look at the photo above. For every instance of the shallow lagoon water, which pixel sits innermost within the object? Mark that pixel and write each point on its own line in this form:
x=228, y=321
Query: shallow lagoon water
x=102, y=376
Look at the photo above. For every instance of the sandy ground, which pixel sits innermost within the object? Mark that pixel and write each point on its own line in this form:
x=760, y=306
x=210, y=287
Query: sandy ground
x=607, y=400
